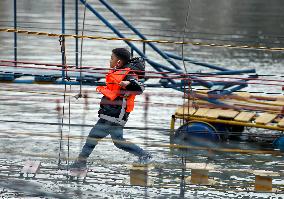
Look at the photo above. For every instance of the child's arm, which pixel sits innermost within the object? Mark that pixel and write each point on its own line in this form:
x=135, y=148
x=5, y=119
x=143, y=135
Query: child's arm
x=133, y=85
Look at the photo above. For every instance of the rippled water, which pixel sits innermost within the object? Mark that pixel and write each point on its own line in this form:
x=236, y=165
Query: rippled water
x=255, y=22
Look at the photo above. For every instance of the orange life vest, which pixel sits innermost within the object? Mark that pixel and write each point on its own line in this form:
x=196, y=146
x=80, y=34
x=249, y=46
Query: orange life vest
x=112, y=88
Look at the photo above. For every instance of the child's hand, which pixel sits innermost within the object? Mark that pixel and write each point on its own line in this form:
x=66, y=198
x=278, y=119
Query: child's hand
x=123, y=84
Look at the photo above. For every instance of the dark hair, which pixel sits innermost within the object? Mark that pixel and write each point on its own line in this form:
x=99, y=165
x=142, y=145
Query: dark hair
x=137, y=64
x=122, y=54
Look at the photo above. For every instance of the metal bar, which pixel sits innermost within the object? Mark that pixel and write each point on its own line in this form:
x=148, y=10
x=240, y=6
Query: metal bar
x=153, y=46
x=140, y=53
x=202, y=82
x=232, y=89
x=76, y=32
x=196, y=62
x=230, y=122
x=63, y=32
x=158, y=67
x=225, y=71
x=132, y=52
x=234, y=72
x=15, y=34
x=32, y=81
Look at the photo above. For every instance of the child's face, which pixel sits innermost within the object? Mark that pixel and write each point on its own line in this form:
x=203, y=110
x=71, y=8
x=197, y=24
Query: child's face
x=114, y=61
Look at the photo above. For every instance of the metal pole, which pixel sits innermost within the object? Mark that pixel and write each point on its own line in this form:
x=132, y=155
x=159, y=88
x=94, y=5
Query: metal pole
x=196, y=62
x=140, y=35
x=132, y=52
x=76, y=32
x=63, y=32
x=15, y=34
x=139, y=52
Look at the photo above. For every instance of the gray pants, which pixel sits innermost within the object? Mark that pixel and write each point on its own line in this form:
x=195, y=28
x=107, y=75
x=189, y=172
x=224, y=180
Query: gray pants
x=101, y=130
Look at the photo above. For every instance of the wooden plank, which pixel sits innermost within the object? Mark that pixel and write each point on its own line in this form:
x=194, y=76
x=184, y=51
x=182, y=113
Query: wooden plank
x=243, y=94
x=30, y=167
x=263, y=183
x=278, y=102
x=281, y=123
x=139, y=175
x=184, y=111
x=201, y=112
x=212, y=113
x=230, y=114
x=244, y=116
x=280, y=98
x=265, y=118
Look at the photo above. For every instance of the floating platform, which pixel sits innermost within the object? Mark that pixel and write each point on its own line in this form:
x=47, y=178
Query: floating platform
x=218, y=118
x=246, y=110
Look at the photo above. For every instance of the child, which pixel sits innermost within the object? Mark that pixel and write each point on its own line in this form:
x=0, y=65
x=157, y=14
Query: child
x=115, y=107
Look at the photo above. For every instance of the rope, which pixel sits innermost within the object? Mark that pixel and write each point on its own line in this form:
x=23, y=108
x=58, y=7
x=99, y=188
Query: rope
x=269, y=38
x=61, y=40
x=148, y=71
x=48, y=135
x=69, y=128
x=183, y=61
x=182, y=180
x=173, y=146
x=63, y=51
x=240, y=104
x=264, y=48
x=86, y=109
x=177, y=77
x=79, y=95
x=274, y=98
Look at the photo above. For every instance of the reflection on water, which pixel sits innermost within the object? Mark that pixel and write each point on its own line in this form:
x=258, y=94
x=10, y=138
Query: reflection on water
x=254, y=22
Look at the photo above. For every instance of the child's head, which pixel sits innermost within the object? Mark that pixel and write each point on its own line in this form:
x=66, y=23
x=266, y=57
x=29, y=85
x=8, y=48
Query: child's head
x=119, y=57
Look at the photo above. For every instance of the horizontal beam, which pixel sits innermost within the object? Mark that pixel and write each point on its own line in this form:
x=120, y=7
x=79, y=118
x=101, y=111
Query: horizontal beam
x=229, y=122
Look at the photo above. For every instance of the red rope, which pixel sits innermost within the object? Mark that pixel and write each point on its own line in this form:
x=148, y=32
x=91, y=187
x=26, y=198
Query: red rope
x=176, y=76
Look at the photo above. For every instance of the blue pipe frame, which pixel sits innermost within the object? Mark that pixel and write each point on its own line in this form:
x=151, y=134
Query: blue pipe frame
x=63, y=32
x=15, y=34
x=158, y=66
x=196, y=62
x=166, y=55
x=155, y=65
x=153, y=46
x=76, y=32
x=139, y=52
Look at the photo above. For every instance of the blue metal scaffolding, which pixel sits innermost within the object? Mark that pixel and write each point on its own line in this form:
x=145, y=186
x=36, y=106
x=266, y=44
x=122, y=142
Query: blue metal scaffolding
x=164, y=69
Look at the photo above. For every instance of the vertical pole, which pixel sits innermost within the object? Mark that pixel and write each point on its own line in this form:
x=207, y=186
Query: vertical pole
x=132, y=52
x=15, y=34
x=76, y=32
x=144, y=49
x=63, y=32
